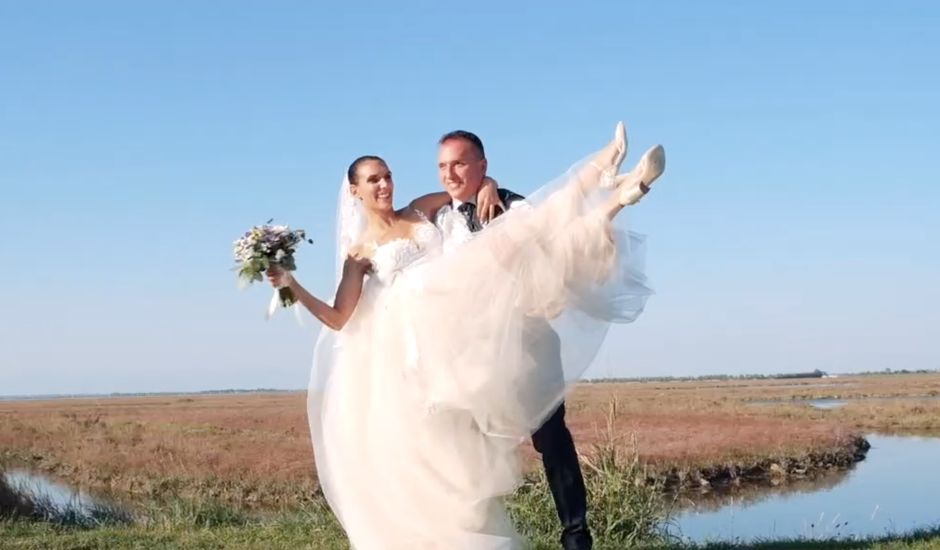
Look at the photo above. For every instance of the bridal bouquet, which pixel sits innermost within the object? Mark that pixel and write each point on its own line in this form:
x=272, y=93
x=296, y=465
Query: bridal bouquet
x=264, y=246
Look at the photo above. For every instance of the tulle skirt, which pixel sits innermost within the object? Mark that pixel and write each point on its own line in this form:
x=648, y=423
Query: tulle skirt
x=417, y=407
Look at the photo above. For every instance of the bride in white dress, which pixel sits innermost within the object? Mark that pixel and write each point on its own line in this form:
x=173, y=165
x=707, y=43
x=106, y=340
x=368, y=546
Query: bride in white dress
x=426, y=376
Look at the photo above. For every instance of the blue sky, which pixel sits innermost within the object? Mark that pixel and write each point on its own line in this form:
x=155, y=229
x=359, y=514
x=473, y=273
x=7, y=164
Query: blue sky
x=796, y=226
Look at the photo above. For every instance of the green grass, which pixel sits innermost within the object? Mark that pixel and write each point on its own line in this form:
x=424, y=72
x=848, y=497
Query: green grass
x=300, y=530
x=288, y=532
x=917, y=540
x=179, y=524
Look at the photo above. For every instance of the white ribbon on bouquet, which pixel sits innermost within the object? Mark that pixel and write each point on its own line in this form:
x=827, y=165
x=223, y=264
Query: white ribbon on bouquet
x=276, y=300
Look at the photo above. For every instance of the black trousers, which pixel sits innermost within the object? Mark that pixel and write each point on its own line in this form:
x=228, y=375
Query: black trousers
x=560, y=459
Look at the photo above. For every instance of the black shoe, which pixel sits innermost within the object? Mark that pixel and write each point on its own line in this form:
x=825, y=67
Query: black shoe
x=580, y=540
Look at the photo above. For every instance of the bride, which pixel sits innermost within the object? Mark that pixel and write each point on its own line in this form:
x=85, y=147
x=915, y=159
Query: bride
x=427, y=375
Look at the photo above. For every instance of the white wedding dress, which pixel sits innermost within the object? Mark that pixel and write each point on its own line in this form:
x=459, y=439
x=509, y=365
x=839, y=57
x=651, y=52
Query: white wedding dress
x=452, y=359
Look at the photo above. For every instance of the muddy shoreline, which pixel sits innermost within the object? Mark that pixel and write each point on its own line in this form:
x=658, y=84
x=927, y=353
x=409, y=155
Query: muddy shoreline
x=773, y=470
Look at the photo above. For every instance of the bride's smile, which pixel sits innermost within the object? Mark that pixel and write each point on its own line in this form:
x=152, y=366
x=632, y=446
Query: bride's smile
x=373, y=185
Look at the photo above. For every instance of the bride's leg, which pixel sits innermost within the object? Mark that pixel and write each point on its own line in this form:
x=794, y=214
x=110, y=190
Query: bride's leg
x=634, y=185
x=548, y=223
x=559, y=247
x=601, y=170
x=559, y=209
x=565, y=203
x=587, y=247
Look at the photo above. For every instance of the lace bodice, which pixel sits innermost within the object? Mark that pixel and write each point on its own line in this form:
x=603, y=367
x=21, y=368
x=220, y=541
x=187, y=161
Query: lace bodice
x=390, y=258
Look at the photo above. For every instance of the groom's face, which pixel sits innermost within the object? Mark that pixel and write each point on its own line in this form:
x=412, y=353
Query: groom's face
x=461, y=168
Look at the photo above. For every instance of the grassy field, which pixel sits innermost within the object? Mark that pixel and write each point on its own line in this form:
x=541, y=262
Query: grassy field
x=251, y=453
x=298, y=532
x=206, y=524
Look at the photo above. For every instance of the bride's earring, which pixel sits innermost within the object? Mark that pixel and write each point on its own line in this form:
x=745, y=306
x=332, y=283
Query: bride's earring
x=635, y=184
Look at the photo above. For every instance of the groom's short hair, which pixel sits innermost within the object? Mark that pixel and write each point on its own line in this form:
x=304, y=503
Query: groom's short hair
x=467, y=136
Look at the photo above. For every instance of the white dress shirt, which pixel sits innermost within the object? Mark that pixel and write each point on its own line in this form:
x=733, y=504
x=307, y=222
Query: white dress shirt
x=453, y=224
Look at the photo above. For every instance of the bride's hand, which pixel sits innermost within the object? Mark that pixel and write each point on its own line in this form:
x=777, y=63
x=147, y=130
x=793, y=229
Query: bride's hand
x=359, y=263
x=278, y=277
x=488, y=203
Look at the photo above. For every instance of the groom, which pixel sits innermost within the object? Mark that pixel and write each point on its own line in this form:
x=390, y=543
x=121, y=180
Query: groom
x=461, y=165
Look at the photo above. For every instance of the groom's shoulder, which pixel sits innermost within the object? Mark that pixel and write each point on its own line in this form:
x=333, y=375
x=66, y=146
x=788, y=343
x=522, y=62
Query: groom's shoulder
x=508, y=197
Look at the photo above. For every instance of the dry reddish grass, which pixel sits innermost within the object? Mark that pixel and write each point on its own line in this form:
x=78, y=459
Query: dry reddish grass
x=905, y=403
x=256, y=446
x=253, y=444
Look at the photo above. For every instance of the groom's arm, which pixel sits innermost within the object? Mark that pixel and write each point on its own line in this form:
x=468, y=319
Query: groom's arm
x=488, y=198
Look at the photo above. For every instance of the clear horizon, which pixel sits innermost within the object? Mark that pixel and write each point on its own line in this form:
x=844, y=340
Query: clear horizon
x=716, y=376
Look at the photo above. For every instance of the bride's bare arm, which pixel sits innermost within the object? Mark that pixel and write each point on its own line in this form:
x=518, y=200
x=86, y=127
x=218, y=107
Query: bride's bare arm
x=347, y=294
x=487, y=201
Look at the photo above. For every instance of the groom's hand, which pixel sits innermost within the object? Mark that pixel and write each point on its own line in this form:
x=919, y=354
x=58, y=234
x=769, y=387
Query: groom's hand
x=488, y=204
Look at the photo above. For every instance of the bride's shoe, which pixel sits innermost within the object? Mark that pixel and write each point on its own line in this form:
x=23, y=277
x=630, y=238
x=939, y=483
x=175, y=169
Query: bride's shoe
x=635, y=184
x=608, y=173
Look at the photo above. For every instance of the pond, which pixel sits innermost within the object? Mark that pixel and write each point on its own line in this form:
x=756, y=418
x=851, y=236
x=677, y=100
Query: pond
x=58, y=499
x=827, y=403
x=895, y=489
